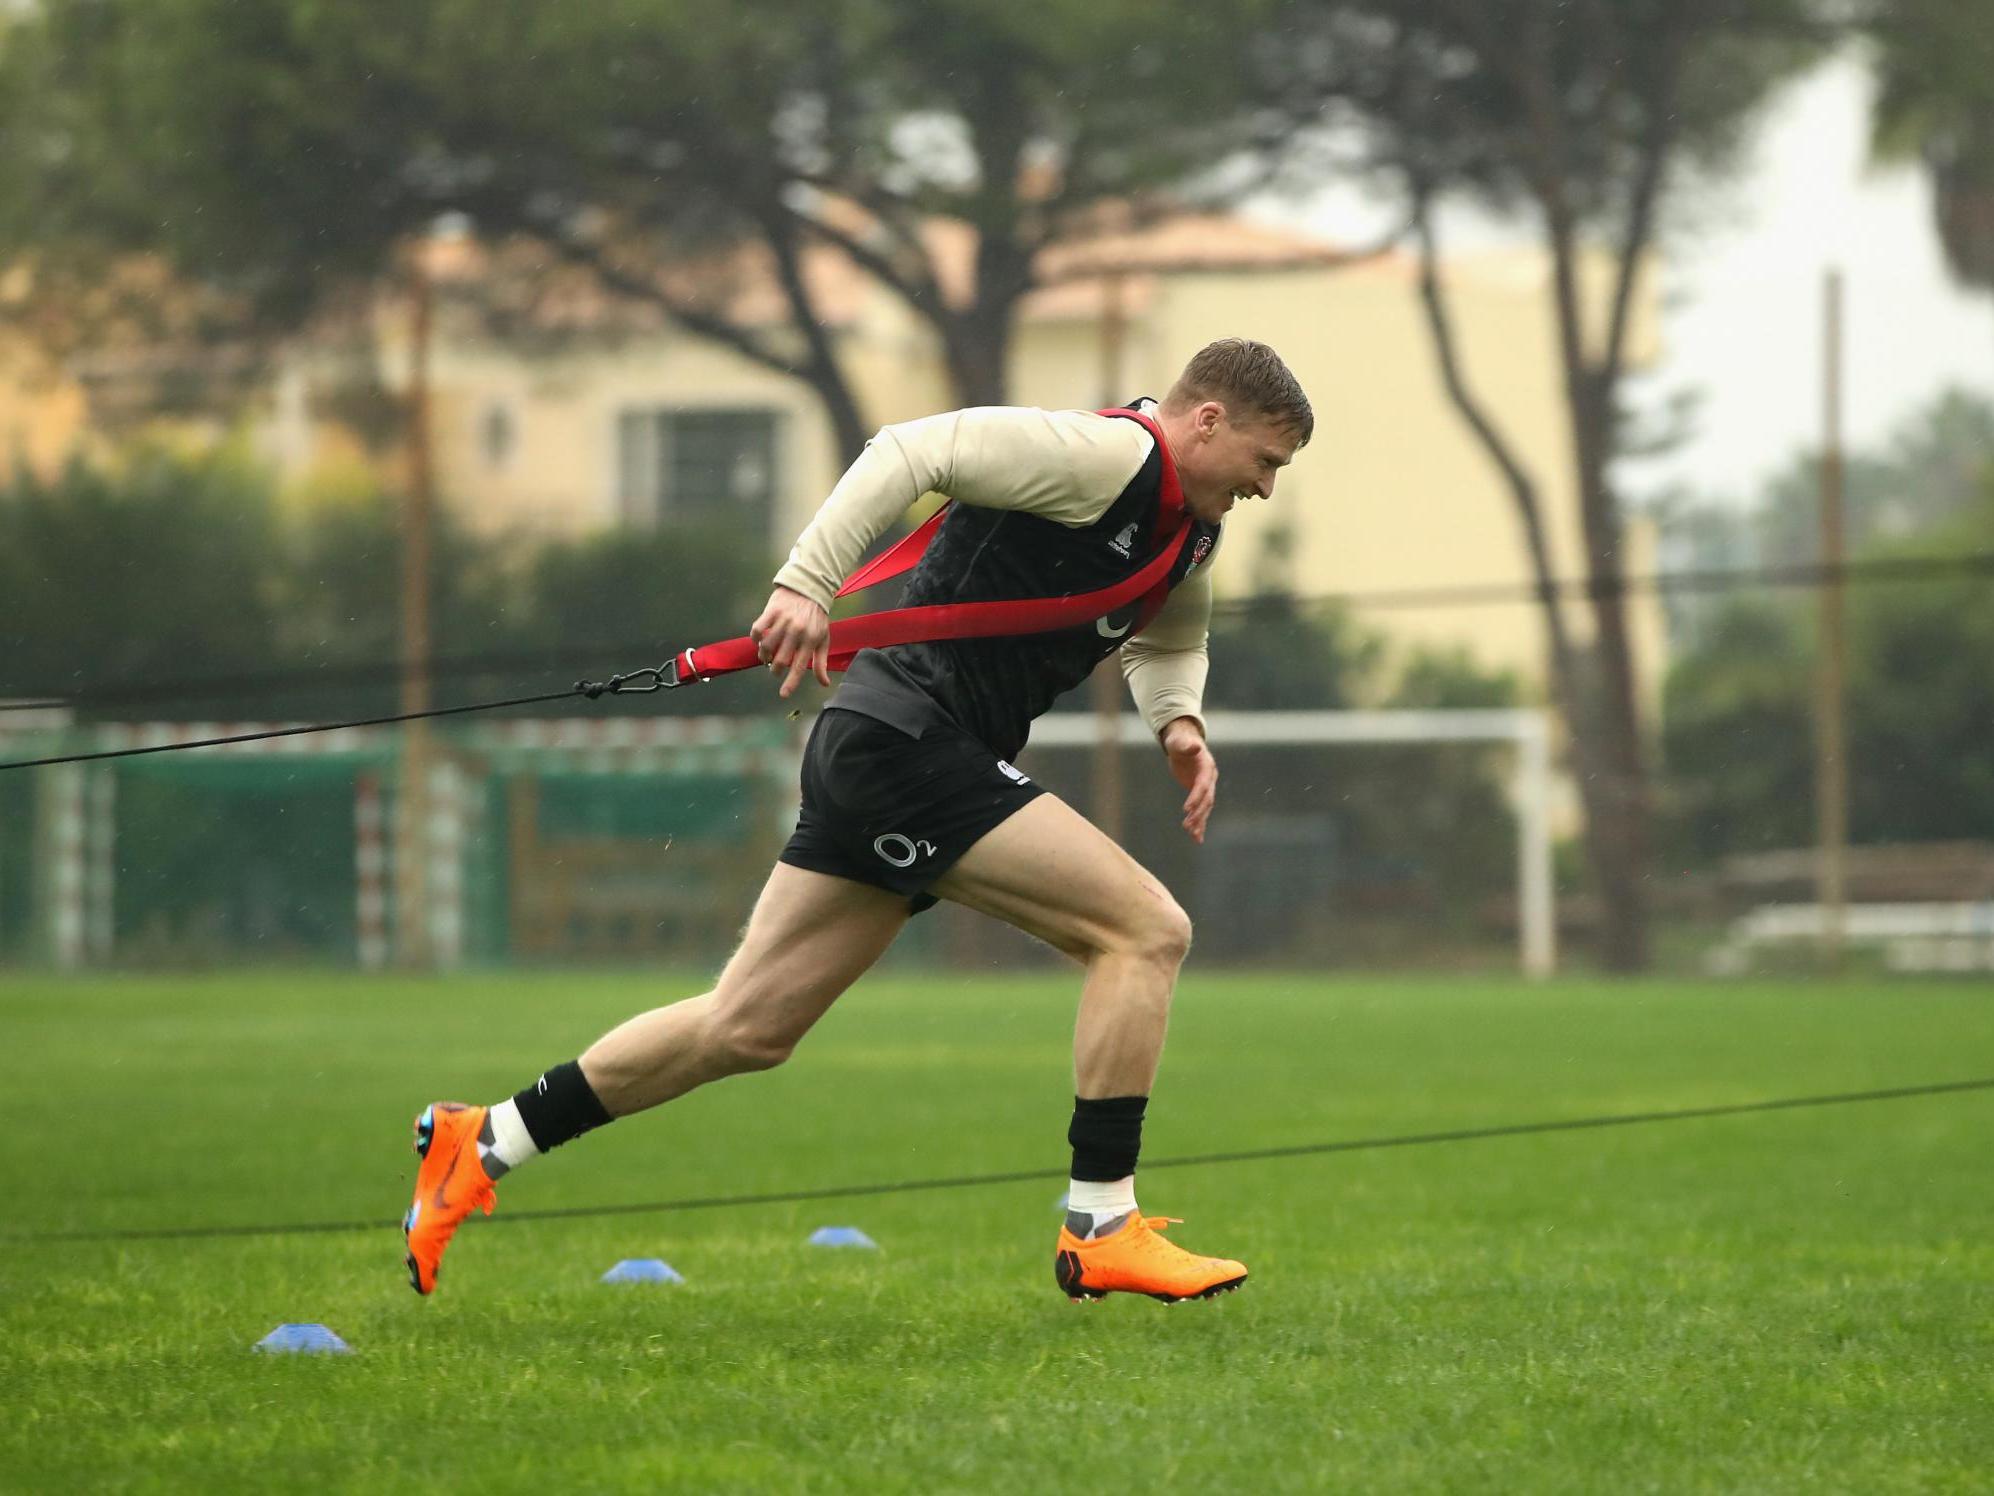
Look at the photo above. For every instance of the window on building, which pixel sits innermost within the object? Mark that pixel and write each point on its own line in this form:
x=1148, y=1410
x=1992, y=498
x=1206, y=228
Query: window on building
x=689, y=465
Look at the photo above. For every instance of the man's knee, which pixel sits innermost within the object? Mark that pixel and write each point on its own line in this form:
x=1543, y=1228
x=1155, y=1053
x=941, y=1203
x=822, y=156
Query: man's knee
x=1175, y=937
x=760, y=1015
x=1159, y=932
x=746, y=1041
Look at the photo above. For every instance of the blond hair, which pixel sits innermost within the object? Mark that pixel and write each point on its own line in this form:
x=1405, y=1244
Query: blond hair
x=1249, y=379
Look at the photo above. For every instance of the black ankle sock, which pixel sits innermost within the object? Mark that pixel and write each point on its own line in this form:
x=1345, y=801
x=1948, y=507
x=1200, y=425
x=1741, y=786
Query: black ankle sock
x=560, y=1107
x=1106, y=1136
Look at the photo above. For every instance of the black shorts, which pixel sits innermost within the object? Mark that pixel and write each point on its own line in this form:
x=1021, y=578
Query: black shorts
x=881, y=806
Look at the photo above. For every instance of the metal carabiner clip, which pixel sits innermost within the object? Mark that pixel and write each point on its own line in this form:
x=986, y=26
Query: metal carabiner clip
x=632, y=682
x=663, y=677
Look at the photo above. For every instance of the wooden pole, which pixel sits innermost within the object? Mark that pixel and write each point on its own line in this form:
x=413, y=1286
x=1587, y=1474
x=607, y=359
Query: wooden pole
x=412, y=942
x=1831, y=769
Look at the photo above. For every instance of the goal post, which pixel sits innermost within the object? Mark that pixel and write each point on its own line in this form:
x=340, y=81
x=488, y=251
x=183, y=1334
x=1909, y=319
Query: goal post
x=598, y=842
x=1526, y=729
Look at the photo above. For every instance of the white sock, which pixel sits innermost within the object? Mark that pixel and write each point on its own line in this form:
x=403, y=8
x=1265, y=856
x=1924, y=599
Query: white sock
x=1101, y=1201
x=511, y=1144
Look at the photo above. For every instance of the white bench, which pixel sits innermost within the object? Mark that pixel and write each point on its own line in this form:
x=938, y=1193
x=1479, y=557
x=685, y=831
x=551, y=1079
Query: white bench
x=1913, y=937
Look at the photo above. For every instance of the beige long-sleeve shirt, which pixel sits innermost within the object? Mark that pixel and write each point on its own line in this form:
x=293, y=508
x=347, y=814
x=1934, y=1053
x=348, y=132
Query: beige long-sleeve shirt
x=1068, y=466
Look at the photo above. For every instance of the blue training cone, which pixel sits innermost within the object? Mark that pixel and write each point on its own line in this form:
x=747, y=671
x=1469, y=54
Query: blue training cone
x=643, y=1270
x=840, y=1236
x=310, y=1340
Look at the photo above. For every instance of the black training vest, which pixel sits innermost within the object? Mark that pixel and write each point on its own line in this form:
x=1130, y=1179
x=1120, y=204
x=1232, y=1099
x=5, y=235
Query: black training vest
x=994, y=688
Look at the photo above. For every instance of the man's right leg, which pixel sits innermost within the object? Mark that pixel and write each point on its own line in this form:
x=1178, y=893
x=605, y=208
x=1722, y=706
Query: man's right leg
x=810, y=937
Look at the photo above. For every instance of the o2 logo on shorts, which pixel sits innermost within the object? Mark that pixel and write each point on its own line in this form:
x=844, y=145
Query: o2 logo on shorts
x=900, y=850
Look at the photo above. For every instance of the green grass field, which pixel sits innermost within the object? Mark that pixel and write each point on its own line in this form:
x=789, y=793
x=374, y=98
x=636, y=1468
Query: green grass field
x=1794, y=1300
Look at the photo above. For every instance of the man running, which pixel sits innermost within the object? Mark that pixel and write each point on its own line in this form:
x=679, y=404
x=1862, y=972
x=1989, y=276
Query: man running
x=909, y=794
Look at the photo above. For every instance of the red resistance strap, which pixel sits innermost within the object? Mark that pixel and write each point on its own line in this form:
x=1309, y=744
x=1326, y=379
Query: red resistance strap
x=984, y=620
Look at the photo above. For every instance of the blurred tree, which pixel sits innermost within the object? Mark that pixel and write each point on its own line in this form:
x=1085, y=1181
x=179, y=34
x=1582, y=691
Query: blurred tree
x=167, y=569
x=682, y=152
x=604, y=593
x=1436, y=815
x=70, y=283
x=648, y=142
x=162, y=570
x=1696, y=533
x=520, y=618
x=131, y=583
x=1737, y=738
x=278, y=152
x=1932, y=467
x=1450, y=680
x=938, y=146
x=1935, y=103
x=1585, y=117
x=1921, y=696
x=195, y=179
x=1019, y=121
x=1737, y=735
x=1271, y=654
x=337, y=584
x=1454, y=797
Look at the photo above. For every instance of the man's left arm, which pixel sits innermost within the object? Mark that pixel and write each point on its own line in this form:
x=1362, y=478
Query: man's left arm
x=1165, y=666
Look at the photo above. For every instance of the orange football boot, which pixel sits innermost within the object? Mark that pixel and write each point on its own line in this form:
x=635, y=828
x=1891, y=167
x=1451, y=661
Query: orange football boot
x=451, y=1183
x=1135, y=1258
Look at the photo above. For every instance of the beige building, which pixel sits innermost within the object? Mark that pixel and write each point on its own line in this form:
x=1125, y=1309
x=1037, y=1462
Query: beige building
x=1393, y=495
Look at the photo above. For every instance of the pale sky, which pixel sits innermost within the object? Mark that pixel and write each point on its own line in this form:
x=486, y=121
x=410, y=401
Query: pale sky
x=1742, y=313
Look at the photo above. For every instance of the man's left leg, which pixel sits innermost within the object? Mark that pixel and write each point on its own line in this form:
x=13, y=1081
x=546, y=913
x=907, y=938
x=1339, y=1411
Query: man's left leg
x=1051, y=873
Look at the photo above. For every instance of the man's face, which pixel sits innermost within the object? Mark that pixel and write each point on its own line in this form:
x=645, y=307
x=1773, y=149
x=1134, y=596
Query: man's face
x=1225, y=460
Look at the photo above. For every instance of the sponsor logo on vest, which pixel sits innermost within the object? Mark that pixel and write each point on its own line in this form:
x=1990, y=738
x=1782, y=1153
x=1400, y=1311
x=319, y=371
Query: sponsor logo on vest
x=1012, y=774
x=902, y=851
x=1123, y=545
x=1201, y=550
